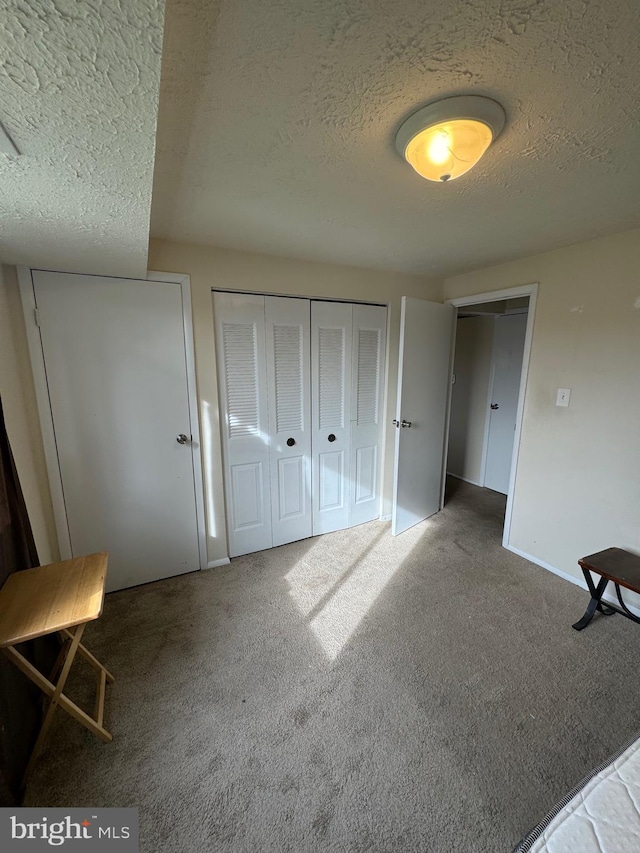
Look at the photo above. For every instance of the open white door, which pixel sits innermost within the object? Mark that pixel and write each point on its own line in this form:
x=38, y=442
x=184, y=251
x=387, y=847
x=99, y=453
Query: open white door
x=426, y=330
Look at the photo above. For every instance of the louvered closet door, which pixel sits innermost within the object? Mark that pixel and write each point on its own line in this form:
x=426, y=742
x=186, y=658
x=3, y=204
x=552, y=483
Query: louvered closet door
x=367, y=408
x=288, y=371
x=242, y=383
x=331, y=342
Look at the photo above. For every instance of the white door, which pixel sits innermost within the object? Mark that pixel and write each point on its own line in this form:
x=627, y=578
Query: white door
x=289, y=402
x=242, y=383
x=508, y=350
x=367, y=411
x=116, y=370
x=426, y=330
x=331, y=378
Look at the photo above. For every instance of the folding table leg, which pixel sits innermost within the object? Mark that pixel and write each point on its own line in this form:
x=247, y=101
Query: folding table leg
x=84, y=652
x=54, y=692
x=54, y=699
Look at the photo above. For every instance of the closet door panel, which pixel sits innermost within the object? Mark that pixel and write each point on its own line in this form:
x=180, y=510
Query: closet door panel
x=331, y=357
x=242, y=383
x=288, y=371
x=369, y=333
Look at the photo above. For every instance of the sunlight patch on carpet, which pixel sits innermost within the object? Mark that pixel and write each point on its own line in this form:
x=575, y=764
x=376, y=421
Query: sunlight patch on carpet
x=335, y=596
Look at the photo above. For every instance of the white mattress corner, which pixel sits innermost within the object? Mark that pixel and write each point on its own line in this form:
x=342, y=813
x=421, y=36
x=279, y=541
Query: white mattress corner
x=602, y=817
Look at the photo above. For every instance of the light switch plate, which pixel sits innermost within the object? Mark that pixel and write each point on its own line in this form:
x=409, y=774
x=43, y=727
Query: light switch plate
x=563, y=396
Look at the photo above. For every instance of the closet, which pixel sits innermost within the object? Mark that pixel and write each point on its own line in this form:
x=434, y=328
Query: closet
x=301, y=404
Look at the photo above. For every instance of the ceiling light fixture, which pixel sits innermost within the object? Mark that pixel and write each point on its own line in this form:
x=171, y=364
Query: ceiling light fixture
x=446, y=138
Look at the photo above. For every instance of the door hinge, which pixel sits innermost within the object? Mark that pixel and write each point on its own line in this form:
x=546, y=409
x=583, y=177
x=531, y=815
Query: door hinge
x=36, y=316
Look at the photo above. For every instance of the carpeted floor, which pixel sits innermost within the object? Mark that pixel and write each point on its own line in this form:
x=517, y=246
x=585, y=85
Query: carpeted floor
x=352, y=692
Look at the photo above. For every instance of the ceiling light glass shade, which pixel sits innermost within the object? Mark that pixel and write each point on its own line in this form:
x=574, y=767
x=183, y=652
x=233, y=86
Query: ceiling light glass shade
x=445, y=139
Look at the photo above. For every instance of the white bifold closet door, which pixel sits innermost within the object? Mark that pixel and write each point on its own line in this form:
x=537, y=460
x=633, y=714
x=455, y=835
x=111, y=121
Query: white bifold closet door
x=240, y=342
x=367, y=411
x=301, y=405
x=287, y=334
x=347, y=356
x=263, y=365
x=331, y=354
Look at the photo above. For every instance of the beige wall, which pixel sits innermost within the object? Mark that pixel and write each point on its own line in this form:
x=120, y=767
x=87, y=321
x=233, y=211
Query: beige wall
x=210, y=268
x=469, y=397
x=21, y=416
x=578, y=480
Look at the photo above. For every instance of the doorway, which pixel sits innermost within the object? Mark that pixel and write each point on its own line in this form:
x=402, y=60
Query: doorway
x=490, y=367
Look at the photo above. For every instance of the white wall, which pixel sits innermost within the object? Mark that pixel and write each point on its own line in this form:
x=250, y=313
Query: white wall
x=578, y=480
x=211, y=267
x=21, y=417
x=469, y=397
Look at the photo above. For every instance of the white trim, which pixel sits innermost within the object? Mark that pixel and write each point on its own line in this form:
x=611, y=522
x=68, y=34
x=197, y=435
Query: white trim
x=194, y=419
x=244, y=292
x=565, y=576
x=449, y=402
x=494, y=295
x=34, y=342
x=214, y=564
x=464, y=479
x=554, y=571
x=184, y=281
x=530, y=290
x=524, y=376
x=386, y=432
x=168, y=277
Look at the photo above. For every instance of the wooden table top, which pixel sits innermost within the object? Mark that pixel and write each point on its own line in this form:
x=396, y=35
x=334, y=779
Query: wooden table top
x=617, y=565
x=39, y=601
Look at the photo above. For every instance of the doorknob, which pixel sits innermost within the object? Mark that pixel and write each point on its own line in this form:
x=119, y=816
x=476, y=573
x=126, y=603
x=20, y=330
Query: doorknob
x=182, y=438
x=332, y=437
x=495, y=406
x=291, y=442
x=405, y=424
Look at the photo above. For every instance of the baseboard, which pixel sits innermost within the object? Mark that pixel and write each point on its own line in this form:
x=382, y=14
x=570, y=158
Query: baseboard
x=214, y=564
x=464, y=479
x=567, y=577
x=385, y=517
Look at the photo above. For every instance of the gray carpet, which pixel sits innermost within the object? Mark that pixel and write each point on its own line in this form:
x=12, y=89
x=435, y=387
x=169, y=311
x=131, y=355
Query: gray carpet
x=352, y=692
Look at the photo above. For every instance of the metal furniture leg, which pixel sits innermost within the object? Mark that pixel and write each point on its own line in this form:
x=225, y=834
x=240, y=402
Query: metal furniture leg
x=594, y=604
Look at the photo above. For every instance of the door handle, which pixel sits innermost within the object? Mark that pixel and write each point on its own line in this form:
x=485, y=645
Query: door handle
x=405, y=424
x=332, y=437
x=183, y=439
x=396, y=423
x=291, y=442
x=495, y=406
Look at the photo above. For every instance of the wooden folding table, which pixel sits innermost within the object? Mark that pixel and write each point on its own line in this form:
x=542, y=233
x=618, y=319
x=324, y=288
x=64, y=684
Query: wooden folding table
x=57, y=598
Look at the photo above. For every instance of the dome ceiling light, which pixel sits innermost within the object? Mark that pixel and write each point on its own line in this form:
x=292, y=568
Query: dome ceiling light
x=447, y=138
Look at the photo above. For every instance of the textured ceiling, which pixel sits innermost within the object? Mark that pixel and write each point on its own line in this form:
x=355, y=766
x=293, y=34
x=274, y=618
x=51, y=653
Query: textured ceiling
x=277, y=122
x=79, y=84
